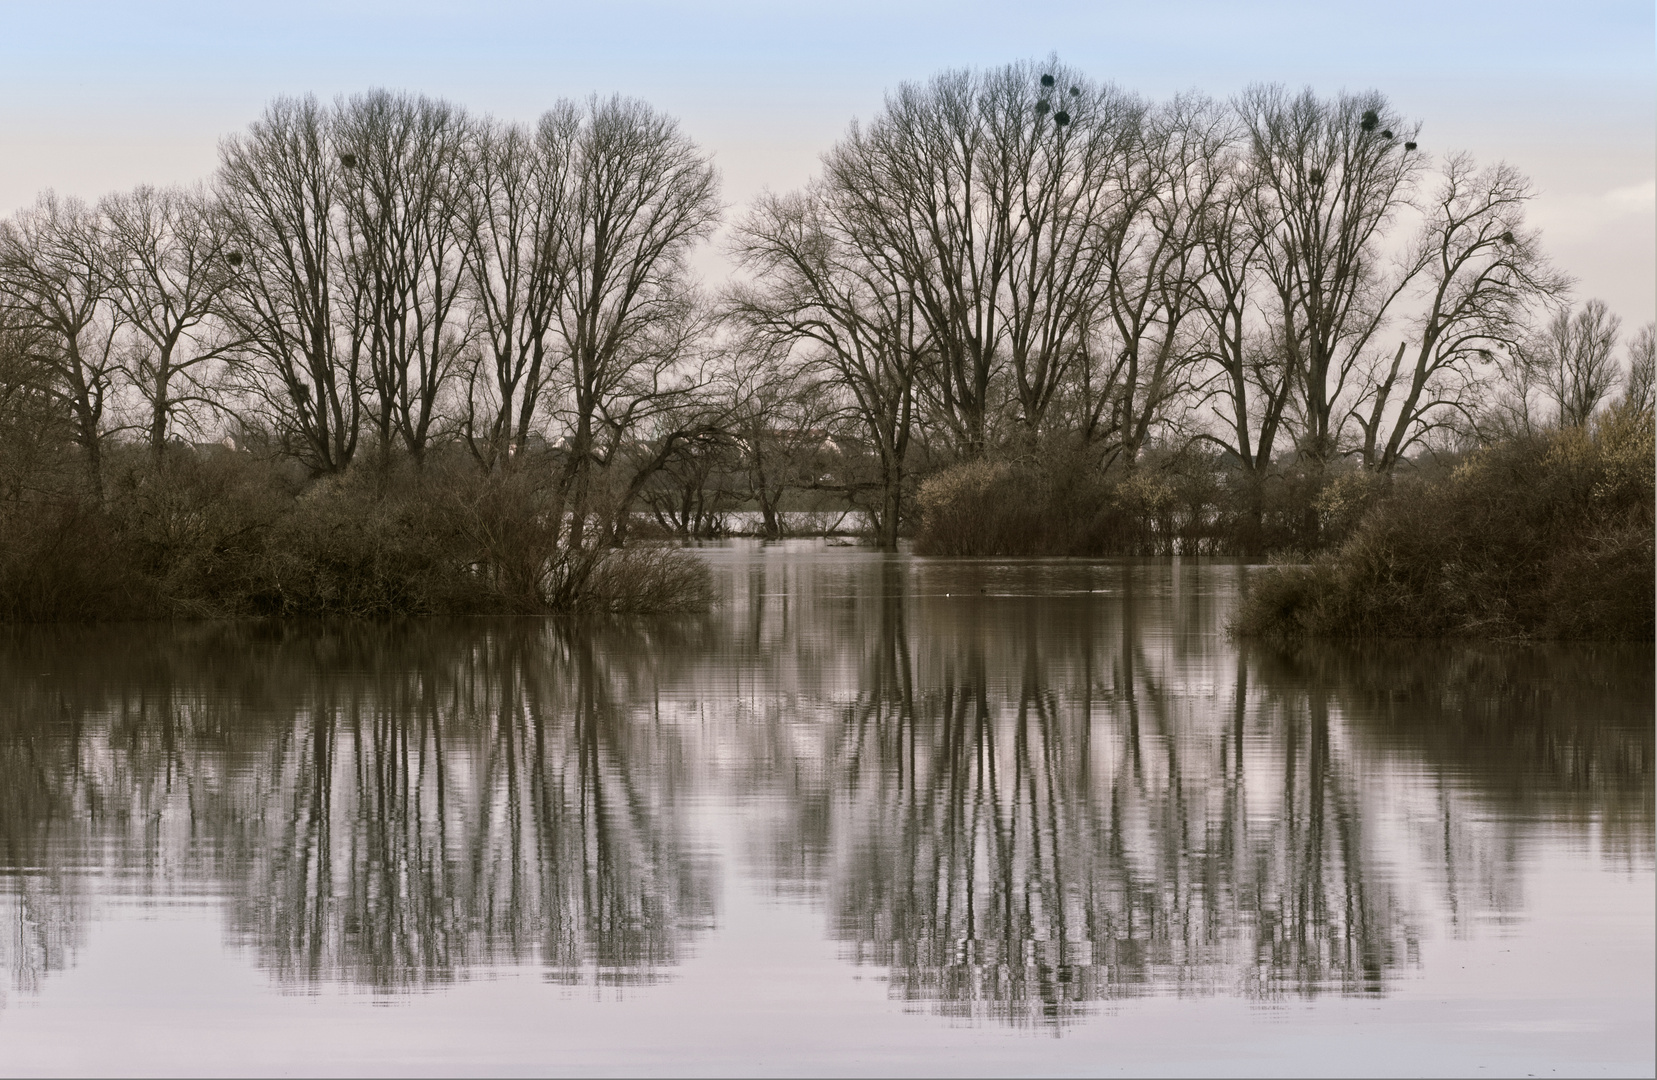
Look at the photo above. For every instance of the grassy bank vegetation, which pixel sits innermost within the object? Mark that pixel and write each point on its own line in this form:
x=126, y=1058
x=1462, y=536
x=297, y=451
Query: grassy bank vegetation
x=185, y=534
x=1539, y=536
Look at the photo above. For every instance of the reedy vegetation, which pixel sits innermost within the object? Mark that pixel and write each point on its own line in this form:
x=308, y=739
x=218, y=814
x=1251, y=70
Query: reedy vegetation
x=1018, y=311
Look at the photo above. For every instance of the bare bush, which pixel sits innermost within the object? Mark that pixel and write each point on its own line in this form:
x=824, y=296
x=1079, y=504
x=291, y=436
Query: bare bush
x=648, y=580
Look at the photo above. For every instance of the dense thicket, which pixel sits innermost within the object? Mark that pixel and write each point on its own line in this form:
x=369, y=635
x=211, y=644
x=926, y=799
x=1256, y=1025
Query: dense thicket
x=229, y=534
x=455, y=361
x=1539, y=536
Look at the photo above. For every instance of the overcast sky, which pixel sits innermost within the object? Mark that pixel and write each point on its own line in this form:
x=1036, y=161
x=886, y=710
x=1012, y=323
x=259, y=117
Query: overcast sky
x=100, y=96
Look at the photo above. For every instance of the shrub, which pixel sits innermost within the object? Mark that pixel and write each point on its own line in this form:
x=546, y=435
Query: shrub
x=1346, y=496
x=1544, y=536
x=65, y=558
x=195, y=525
x=974, y=508
x=647, y=580
x=1062, y=502
x=338, y=552
x=193, y=535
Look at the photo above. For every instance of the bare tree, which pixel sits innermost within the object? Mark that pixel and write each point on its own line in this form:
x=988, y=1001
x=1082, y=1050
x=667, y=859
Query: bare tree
x=691, y=490
x=1052, y=180
x=401, y=188
x=625, y=313
x=1329, y=178
x=575, y=238
x=1640, y=389
x=291, y=300
x=1483, y=275
x=55, y=277
x=821, y=294
x=781, y=413
x=984, y=192
x=1573, y=360
x=169, y=276
x=1171, y=176
x=1252, y=382
x=34, y=425
x=517, y=185
x=911, y=179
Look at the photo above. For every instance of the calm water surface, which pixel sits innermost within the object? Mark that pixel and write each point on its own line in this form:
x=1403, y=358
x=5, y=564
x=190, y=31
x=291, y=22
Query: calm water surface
x=876, y=814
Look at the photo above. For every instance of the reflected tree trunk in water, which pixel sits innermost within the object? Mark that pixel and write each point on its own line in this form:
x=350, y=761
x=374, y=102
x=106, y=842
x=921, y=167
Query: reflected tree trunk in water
x=498, y=806
x=1022, y=883
x=1020, y=800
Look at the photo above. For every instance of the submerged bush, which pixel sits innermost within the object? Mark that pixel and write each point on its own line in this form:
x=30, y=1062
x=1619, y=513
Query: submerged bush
x=1064, y=502
x=647, y=580
x=970, y=509
x=342, y=552
x=1547, y=536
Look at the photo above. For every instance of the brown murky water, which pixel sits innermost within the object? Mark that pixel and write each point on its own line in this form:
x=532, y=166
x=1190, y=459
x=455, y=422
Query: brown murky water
x=874, y=815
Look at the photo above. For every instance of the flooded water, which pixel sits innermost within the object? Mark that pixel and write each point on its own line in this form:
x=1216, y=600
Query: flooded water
x=875, y=814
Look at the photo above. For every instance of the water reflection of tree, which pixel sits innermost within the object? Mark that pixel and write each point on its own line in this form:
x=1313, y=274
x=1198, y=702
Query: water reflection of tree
x=1544, y=732
x=1065, y=828
x=1021, y=788
x=960, y=876
x=43, y=799
x=385, y=807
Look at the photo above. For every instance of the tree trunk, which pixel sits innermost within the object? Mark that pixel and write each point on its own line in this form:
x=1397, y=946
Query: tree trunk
x=891, y=504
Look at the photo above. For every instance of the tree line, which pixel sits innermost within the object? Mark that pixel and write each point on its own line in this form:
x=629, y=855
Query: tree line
x=1205, y=318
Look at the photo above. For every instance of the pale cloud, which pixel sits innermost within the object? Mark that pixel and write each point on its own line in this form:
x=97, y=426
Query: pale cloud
x=1635, y=199
x=1608, y=242
x=1571, y=216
